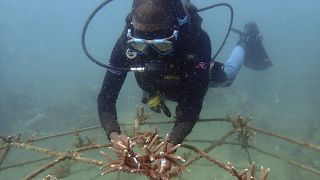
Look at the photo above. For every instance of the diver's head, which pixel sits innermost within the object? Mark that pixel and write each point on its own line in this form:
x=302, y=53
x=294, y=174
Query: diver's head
x=251, y=28
x=153, y=15
x=153, y=27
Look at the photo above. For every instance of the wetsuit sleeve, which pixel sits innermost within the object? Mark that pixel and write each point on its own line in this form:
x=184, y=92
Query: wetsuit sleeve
x=196, y=85
x=187, y=114
x=111, y=87
x=222, y=75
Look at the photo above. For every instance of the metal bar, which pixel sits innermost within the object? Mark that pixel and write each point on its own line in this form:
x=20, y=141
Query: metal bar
x=64, y=133
x=44, y=168
x=5, y=152
x=75, y=156
x=299, y=142
x=289, y=161
x=209, y=148
x=200, y=120
x=24, y=163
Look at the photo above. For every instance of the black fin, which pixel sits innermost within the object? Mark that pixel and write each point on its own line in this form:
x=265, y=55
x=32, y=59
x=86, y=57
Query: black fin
x=256, y=56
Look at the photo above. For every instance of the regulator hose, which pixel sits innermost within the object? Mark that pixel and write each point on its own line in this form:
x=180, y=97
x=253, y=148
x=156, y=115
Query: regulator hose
x=83, y=39
x=230, y=23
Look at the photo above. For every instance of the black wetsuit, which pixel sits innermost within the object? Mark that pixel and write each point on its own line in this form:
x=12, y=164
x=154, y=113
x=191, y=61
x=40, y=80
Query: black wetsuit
x=183, y=78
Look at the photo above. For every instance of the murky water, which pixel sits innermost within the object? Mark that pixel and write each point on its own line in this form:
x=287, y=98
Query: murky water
x=47, y=84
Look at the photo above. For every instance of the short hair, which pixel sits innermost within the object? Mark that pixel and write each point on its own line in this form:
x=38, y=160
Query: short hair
x=153, y=15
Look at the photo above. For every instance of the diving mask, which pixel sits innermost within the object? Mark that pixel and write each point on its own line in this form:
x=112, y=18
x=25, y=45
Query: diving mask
x=162, y=46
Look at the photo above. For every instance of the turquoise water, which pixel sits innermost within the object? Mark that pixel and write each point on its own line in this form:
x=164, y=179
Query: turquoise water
x=47, y=84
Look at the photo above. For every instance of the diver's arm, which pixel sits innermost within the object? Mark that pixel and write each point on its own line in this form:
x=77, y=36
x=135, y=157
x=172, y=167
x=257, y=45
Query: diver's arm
x=107, y=102
x=222, y=75
x=187, y=114
x=110, y=89
x=196, y=85
x=189, y=104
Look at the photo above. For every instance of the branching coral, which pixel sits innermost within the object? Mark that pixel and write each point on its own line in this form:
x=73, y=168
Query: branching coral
x=155, y=153
x=244, y=134
x=150, y=163
x=243, y=175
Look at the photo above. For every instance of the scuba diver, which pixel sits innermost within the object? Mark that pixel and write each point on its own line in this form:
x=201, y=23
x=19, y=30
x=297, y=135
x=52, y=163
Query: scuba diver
x=165, y=37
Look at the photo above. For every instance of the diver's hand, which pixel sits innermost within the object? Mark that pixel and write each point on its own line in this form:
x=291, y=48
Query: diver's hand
x=164, y=164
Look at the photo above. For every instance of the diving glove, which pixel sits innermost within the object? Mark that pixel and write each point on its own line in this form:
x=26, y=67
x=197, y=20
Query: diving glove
x=156, y=104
